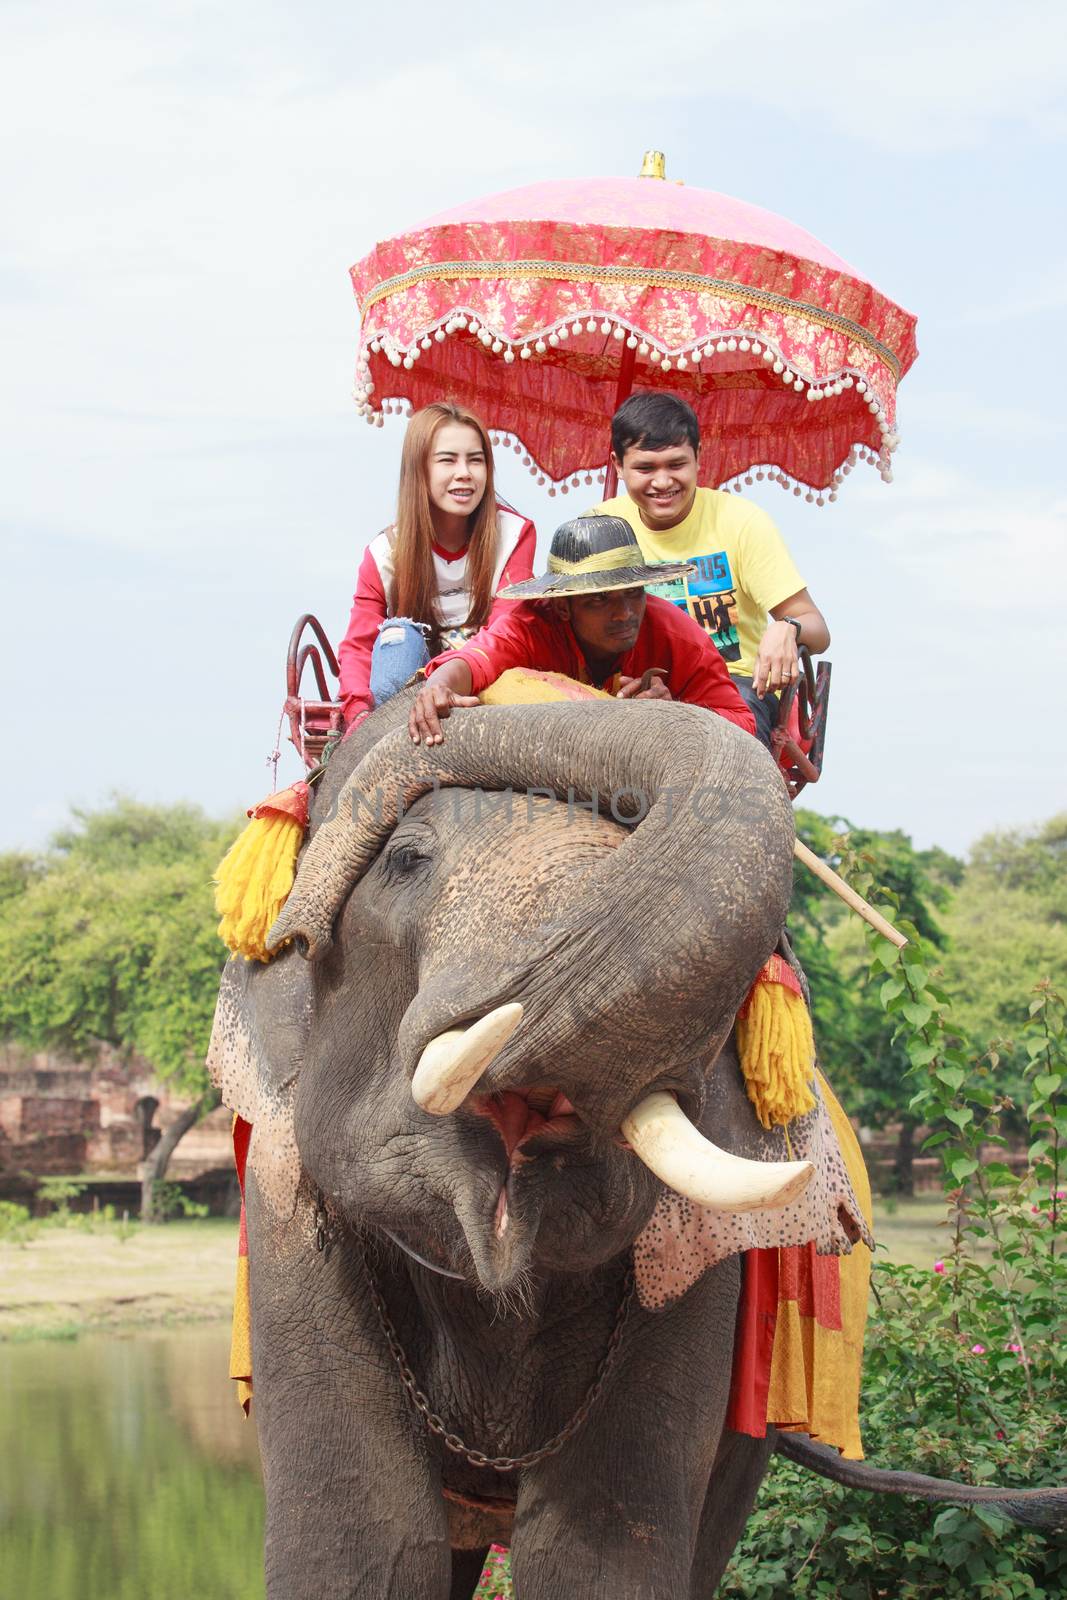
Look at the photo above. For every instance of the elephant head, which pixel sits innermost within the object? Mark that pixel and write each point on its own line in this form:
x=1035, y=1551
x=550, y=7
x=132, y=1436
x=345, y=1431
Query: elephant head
x=511, y=957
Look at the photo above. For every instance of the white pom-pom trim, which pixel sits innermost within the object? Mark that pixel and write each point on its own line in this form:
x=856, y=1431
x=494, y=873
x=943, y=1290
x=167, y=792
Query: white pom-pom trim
x=826, y=388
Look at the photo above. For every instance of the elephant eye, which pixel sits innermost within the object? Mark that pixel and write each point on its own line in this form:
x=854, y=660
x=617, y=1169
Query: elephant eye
x=405, y=859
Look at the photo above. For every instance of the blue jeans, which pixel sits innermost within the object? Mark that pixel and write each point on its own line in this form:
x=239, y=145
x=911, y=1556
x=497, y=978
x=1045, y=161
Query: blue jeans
x=399, y=651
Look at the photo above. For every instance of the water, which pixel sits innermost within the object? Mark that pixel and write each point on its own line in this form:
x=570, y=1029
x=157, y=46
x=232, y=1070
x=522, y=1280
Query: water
x=127, y=1470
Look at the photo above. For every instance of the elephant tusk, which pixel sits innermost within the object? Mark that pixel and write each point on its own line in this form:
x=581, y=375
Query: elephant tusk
x=662, y=1136
x=452, y=1062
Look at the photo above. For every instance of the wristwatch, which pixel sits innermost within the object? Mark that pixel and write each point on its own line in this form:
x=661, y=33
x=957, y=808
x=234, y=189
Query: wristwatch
x=795, y=623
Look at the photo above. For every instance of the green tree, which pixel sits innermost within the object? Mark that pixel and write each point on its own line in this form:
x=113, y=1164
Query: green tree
x=109, y=938
x=855, y=1037
x=1007, y=926
x=17, y=872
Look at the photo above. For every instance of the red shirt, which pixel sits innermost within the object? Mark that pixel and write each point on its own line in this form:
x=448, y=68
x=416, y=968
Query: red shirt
x=532, y=635
x=516, y=538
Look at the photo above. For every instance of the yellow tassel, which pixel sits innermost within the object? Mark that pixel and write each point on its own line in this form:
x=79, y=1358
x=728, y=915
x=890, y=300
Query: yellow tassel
x=254, y=878
x=777, y=1052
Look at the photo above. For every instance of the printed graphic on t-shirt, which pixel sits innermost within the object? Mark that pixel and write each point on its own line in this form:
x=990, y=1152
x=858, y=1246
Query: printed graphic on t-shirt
x=455, y=638
x=709, y=595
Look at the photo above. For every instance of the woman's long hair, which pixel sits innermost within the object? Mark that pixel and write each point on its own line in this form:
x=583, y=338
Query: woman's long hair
x=413, y=591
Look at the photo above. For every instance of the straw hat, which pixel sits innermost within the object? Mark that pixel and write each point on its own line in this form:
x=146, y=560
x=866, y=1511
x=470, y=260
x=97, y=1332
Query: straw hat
x=589, y=555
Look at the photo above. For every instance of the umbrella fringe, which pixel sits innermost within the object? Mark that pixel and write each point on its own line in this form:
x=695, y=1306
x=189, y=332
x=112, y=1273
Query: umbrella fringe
x=540, y=342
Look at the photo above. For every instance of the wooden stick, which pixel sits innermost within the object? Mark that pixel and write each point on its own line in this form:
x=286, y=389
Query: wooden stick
x=843, y=890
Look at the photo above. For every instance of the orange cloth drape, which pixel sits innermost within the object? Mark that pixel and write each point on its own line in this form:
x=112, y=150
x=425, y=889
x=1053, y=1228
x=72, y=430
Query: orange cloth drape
x=241, y=1330
x=798, y=1353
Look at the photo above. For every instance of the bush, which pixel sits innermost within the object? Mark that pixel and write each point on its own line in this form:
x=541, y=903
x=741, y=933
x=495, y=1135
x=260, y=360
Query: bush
x=170, y=1201
x=16, y=1225
x=965, y=1365
x=59, y=1192
x=940, y=1399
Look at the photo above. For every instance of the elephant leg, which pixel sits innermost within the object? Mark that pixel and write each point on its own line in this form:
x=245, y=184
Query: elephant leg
x=467, y=1568
x=354, y=1506
x=735, y=1480
x=615, y=1515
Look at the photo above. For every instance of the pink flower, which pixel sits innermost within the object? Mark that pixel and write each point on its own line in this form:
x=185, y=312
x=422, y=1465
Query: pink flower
x=978, y=1349
x=1036, y=1210
x=1016, y=1349
x=939, y=1266
x=1061, y=1194
x=1000, y=1433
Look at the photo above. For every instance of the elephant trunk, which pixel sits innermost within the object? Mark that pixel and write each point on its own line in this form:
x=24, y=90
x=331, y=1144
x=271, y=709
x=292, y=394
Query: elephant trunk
x=652, y=962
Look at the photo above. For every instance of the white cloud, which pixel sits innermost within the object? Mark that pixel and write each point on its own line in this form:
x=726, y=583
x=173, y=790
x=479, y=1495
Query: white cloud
x=915, y=79
x=185, y=185
x=961, y=411
x=1029, y=295
x=989, y=550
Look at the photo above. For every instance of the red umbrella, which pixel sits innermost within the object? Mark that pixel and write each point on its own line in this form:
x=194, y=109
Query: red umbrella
x=541, y=308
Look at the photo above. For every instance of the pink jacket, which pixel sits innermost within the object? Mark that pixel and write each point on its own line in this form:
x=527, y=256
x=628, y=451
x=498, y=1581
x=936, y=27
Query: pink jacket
x=516, y=538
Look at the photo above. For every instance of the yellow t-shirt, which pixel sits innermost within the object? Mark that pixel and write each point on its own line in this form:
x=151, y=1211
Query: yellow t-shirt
x=743, y=568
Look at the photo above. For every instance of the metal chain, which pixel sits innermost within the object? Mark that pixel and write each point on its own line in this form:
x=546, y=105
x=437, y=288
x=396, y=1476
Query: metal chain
x=452, y=1441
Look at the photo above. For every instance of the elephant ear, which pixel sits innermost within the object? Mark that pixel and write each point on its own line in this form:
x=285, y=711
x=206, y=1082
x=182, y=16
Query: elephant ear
x=254, y=1058
x=682, y=1239
x=263, y=1012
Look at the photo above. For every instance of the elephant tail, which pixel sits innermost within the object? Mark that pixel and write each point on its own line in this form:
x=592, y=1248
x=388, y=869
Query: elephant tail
x=1030, y=1508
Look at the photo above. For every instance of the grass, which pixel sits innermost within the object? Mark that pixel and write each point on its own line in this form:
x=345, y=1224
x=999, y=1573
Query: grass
x=63, y=1281
x=911, y=1232
x=57, y=1333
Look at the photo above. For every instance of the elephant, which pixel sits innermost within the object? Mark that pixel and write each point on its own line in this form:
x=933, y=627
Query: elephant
x=504, y=993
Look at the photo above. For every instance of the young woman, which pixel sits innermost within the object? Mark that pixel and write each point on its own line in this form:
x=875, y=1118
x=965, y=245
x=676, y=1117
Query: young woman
x=428, y=582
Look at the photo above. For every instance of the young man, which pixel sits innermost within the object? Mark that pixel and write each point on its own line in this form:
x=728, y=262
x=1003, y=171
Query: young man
x=597, y=626
x=743, y=588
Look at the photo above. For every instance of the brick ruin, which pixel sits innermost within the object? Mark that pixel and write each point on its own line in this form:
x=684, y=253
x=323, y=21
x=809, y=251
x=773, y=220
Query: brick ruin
x=77, y=1118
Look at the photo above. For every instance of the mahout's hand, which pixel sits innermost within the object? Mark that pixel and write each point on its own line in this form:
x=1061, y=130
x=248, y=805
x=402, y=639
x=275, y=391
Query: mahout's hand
x=650, y=686
x=431, y=705
x=777, y=663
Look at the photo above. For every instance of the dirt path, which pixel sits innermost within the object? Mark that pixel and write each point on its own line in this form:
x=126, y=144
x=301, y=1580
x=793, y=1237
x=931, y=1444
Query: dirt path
x=62, y=1281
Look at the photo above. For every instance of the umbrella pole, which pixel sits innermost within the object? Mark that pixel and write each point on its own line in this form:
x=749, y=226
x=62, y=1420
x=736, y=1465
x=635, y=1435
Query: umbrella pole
x=814, y=863
x=625, y=387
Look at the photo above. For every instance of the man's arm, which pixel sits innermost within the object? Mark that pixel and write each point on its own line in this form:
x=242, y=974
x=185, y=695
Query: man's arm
x=699, y=676
x=457, y=677
x=450, y=686
x=768, y=573
x=716, y=690
x=777, y=662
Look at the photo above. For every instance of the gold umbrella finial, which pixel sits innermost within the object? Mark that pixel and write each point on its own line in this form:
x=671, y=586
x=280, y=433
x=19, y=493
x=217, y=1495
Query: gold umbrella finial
x=654, y=165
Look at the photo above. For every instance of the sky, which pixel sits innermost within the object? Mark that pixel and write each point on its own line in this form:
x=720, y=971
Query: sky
x=183, y=188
